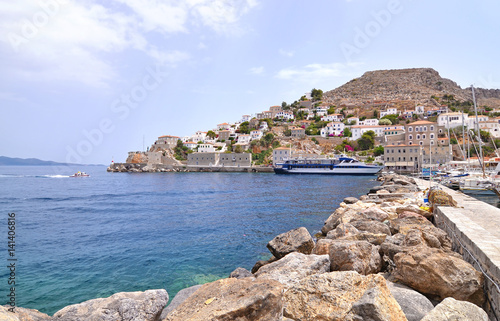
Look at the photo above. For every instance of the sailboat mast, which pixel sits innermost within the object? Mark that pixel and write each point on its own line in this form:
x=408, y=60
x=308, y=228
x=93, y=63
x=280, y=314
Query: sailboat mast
x=478, y=132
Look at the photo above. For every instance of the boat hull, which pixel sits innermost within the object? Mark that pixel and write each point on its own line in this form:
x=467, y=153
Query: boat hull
x=327, y=171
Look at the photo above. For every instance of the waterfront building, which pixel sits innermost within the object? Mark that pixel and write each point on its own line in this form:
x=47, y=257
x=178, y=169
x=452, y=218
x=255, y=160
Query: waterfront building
x=166, y=141
x=333, y=129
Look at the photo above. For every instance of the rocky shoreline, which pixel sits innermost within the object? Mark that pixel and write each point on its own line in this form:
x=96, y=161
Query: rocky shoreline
x=379, y=257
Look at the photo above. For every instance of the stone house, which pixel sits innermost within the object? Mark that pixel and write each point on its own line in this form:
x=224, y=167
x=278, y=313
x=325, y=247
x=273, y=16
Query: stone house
x=298, y=132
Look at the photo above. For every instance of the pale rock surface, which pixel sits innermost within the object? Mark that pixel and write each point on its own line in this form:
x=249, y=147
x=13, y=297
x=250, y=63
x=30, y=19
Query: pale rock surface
x=342, y=296
x=439, y=274
x=294, y=267
x=123, y=306
x=297, y=240
x=232, y=299
x=451, y=309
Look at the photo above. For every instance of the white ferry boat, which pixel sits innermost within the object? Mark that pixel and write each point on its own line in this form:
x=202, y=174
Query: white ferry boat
x=327, y=166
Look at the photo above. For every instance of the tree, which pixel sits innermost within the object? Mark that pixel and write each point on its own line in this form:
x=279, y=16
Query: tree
x=331, y=110
x=385, y=121
x=268, y=139
x=316, y=94
x=284, y=105
x=367, y=140
x=375, y=113
x=238, y=149
x=244, y=128
x=347, y=132
x=379, y=150
x=393, y=118
x=211, y=134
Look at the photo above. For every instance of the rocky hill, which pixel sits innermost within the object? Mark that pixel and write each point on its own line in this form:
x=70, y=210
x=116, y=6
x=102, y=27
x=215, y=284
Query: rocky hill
x=416, y=85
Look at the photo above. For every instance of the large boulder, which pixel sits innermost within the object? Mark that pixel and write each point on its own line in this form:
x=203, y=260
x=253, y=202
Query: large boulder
x=297, y=240
x=333, y=220
x=403, y=225
x=375, y=239
x=180, y=297
x=123, y=306
x=261, y=263
x=341, y=296
x=294, y=267
x=413, y=209
x=22, y=314
x=451, y=309
x=342, y=230
x=414, y=304
x=350, y=200
x=375, y=213
x=371, y=226
x=359, y=256
x=439, y=274
x=232, y=299
x=241, y=273
x=428, y=235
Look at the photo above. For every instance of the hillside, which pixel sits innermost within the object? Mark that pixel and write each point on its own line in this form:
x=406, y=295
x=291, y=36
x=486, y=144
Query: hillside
x=405, y=86
x=13, y=161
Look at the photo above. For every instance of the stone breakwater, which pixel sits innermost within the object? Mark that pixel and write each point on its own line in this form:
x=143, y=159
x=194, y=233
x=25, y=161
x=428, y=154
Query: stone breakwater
x=378, y=257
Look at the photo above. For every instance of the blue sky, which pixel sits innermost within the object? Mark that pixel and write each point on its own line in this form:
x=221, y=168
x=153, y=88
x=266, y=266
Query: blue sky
x=86, y=81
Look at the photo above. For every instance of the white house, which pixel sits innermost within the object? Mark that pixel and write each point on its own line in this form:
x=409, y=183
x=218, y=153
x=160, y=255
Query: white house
x=358, y=130
x=419, y=110
x=389, y=111
x=223, y=126
x=206, y=148
x=333, y=117
x=451, y=120
x=199, y=136
x=321, y=111
x=285, y=115
x=244, y=139
x=191, y=145
x=352, y=121
x=333, y=129
x=245, y=118
x=369, y=122
x=256, y=134
x=263, y=126
x=491, y=126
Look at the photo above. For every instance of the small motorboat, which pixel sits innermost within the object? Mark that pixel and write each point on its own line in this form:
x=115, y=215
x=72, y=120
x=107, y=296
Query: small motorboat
x=80, y=174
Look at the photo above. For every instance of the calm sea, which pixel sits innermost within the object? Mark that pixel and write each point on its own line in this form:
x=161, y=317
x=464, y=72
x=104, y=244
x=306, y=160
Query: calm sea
x=84, y=238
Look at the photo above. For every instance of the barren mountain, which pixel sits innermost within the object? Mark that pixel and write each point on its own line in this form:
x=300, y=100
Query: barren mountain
x=383, y=87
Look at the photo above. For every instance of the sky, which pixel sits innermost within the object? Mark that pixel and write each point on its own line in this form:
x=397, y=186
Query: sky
x=88, y=81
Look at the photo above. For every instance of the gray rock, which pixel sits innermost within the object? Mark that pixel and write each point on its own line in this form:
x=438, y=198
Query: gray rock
x=22, y=314
x=451, y=309
x=371, y=226
x=180, y=297
x=359, y=256
x=240, y=273
x=233, y=299
x=332, y=221
x=261, y=263
x=342, y=230
x=294, y=267
x=350, y=200
x=368, y=307
x=297, y=240
x=124, y=306
x=415, y=305
x=374, y=213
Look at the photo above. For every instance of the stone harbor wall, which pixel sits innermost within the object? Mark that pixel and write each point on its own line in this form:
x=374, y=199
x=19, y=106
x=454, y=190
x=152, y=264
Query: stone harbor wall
x=379, y=257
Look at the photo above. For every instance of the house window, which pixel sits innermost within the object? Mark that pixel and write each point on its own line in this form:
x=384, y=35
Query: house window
x=404, y=159
x=410, y=136
x=418, y=136
x=423, y=136
x=411, y=158
x=410, y=129
x=432, y=136
x=416, y=129
x=432, y=128
x=410, y=143
x=421, y=143
x=425, y=128
x=432, y=142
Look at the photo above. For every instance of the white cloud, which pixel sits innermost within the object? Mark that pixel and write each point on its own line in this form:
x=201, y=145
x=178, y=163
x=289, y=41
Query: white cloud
x=202, y=46
x=317, y=72
x=74, y=40
x=286, y=53
x=257, y=70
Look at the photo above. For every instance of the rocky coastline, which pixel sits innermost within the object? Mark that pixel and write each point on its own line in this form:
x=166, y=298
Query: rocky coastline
x=379, y=257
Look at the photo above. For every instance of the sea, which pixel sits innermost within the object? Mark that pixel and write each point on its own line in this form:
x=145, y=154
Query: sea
x=80, y=238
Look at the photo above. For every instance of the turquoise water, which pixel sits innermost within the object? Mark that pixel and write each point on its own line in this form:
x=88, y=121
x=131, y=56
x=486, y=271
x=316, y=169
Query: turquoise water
x=83, y=238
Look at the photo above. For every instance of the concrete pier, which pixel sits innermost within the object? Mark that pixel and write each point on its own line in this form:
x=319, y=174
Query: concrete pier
x=474, y=228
